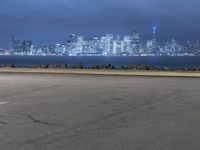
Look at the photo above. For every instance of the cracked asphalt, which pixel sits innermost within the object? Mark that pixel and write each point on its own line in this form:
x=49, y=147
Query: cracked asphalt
x=72, y=112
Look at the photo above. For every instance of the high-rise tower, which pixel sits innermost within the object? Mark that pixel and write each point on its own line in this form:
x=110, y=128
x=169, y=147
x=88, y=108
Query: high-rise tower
x=152, y=46
x=136, y=38
x=154, y=35
x=155, y=49
x=135, y=42
x=16, y=43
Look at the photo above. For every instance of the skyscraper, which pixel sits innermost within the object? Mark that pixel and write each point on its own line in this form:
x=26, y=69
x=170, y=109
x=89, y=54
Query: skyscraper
x=109, y=44
x=26, y=47
x=16, y=44
x=154, y=35
x=127, y=45
x=152, y=46
x=135, y=42
x=117, y=46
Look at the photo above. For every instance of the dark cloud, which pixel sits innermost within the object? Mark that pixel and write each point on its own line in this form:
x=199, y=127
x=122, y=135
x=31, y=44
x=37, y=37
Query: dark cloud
x=52, y=21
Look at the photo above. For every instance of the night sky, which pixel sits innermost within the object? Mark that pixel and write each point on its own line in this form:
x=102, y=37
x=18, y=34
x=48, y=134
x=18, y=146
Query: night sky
x=51, y=21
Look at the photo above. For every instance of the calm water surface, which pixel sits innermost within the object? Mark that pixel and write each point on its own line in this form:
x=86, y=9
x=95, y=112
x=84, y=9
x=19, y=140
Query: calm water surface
x=158, y=61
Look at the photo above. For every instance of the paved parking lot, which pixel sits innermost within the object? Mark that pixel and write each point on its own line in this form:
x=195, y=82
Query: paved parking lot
x=72, y=112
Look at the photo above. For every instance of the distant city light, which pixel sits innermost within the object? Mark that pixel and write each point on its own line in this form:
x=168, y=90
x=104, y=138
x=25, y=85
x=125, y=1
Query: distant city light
x=108, y=45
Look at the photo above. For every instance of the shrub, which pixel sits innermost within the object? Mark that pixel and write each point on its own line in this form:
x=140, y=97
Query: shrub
x=12, y=66
x=80, y=66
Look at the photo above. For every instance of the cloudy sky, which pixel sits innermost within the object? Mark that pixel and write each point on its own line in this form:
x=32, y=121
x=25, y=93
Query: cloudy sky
x=51, y=21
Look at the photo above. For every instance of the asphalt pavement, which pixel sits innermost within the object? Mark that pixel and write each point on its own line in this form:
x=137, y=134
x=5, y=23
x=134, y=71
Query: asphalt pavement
x=80, y=112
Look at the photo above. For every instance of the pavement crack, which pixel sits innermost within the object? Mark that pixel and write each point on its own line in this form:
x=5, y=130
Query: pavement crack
x=2, y=122
x=35, y=120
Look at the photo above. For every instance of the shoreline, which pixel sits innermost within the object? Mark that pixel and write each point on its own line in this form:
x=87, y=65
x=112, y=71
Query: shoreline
x=189, y=74
x=171, y=62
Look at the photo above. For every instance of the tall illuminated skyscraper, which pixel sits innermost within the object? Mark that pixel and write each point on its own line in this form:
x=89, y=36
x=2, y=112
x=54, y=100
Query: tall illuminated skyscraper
x=135, y=42
x=16, y=43
x=155, y=49
x=152, y=46
x=154, y=35
x=109, y=44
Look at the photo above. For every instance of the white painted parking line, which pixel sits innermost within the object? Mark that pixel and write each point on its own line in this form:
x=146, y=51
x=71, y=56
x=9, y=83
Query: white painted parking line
x=2, y=103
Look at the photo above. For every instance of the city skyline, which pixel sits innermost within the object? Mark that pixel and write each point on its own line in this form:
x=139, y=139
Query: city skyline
x=107, y=45
x=154, y=28
x=52, y=21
